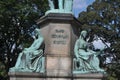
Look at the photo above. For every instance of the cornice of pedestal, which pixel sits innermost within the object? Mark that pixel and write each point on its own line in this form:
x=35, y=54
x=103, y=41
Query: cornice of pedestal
x=58, y=18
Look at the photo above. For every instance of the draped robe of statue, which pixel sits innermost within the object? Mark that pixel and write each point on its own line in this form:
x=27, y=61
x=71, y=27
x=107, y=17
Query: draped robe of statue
x=88, y=60
x=31, y=59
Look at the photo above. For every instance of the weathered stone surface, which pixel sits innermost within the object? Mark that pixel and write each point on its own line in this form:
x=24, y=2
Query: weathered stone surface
x=58, y=79
x=58, y=66
x=38, y=76
x=59, y=39
x=60, y=33
x=58, y=51
x=26, y=76
x=90, y=76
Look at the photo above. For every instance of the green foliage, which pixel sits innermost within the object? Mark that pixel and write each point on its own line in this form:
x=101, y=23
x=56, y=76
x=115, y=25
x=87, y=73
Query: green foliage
x=103, y=19
x=2, y=71
x=17, y=21
x=114, y=71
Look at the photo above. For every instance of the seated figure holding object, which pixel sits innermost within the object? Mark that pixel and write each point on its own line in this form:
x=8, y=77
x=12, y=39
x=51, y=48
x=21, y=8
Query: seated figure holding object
x=86, y=58
x=31, y=59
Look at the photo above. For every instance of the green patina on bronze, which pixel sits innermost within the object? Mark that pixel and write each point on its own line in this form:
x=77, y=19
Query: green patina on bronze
x=31, y=59
x=64, y=6
x=85, y=57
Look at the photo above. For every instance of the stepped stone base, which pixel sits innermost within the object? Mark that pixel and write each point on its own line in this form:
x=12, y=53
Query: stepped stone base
x=39, y=76
x=90, y=76
x=25, y=76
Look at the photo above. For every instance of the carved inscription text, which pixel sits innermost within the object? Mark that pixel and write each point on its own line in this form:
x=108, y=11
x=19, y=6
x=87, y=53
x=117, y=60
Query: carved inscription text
x=59, y=37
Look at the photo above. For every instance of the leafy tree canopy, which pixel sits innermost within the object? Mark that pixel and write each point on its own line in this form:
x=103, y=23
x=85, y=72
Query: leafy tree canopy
x=103, y=19
x=17, y=21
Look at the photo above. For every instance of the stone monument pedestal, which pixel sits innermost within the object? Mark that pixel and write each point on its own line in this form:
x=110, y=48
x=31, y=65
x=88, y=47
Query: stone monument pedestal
x=60, y=32
x=39, y=76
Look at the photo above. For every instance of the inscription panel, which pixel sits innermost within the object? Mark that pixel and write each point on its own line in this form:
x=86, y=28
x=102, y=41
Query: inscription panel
x=60, y=39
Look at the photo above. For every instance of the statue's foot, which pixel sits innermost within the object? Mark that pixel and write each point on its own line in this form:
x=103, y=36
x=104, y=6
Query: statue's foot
x=98, y=71
x=42, y=71
x=101, y=70
x=26, y=70
x=13, y=69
